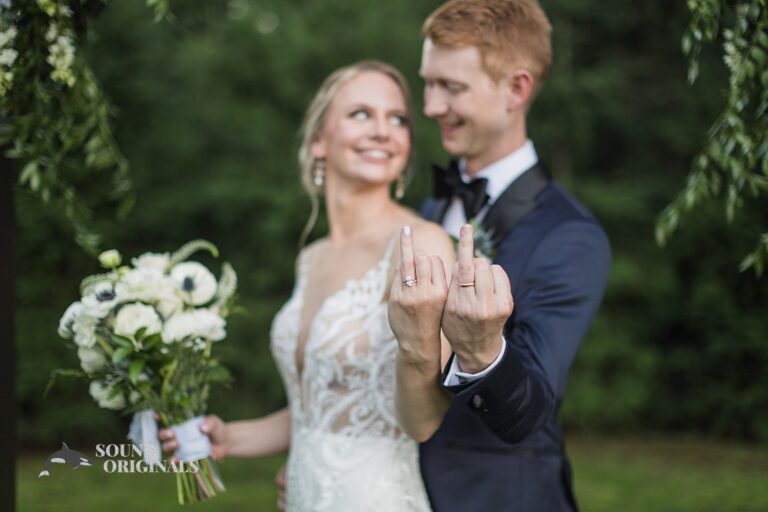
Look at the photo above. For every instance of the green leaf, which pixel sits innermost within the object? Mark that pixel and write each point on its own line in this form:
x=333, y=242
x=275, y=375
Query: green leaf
x=133, y=371
x=152, y=341
x=66, y=373
x=121, y=353
x=122, y=341
x=139, y=334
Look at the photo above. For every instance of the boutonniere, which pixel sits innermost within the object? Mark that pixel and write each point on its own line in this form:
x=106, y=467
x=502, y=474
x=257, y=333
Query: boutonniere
x=485, y=245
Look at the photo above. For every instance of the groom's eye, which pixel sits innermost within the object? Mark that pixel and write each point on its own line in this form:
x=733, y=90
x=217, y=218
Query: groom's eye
x=454, y=88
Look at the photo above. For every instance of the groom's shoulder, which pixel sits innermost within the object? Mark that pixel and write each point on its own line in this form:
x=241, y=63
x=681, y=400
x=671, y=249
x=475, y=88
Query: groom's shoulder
x=560, y=206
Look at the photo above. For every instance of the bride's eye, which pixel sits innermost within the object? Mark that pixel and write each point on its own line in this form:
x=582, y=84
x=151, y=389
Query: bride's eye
x=360, y=115
x=399, y=120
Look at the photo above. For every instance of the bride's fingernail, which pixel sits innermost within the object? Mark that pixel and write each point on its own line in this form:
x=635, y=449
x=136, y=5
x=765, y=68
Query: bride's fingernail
x=407, y=230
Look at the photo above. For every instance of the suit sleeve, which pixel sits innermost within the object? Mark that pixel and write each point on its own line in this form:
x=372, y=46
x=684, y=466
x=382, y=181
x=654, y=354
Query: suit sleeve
x=560, y=291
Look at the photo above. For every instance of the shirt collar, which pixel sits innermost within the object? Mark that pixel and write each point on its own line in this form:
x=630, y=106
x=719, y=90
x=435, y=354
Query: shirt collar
x=501, y=173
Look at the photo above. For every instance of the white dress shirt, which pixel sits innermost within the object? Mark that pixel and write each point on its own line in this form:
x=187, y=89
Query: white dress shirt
x=500, y=176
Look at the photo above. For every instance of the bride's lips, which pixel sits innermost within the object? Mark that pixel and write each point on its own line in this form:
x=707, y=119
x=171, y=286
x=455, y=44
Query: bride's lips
x=374, y=156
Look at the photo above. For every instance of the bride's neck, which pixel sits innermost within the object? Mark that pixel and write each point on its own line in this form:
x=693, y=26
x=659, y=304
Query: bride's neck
x=356, y=214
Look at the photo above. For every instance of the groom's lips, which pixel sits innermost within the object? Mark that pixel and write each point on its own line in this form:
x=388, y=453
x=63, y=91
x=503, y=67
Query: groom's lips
x=448, y=130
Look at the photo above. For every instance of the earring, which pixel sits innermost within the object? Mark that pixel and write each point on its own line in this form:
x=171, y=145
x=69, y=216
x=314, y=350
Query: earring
x=400, y=187
x=318, y=172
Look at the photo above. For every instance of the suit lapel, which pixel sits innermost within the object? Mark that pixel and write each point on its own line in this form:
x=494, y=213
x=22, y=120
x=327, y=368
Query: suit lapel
x=435, y=210
x=517, y=201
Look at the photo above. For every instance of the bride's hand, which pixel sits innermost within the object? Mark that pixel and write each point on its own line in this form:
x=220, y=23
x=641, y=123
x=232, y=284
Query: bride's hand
x=415, y=311
x=213, y=426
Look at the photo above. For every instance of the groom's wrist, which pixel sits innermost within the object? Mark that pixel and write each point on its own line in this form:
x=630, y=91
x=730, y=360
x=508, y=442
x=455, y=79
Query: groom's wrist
x=478, y=360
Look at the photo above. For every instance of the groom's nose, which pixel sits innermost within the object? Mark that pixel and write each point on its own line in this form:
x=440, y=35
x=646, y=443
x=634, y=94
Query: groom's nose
x=435, y=104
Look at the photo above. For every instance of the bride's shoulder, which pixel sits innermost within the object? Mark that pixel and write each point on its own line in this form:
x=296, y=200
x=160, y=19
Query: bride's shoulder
x=429, y=236
x=309, y=251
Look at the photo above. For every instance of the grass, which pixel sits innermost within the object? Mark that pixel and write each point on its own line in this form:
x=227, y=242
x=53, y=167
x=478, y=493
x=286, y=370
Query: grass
x=626, y=473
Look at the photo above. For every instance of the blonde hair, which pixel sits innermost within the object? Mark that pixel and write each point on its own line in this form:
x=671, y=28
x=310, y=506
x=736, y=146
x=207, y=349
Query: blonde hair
x=314, y=120
x=506, y=32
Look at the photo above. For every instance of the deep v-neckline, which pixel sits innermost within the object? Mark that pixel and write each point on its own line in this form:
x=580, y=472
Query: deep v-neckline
x=300, y=352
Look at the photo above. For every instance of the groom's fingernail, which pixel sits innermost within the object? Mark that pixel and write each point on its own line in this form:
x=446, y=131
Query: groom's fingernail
x=407, y=230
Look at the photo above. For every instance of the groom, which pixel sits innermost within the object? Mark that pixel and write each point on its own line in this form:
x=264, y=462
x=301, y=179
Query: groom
x=496, y=443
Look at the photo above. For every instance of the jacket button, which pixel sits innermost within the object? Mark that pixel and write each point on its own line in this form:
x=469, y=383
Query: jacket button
x=477, y=402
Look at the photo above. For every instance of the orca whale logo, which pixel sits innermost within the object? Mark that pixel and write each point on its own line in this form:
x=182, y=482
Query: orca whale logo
x=65, y=456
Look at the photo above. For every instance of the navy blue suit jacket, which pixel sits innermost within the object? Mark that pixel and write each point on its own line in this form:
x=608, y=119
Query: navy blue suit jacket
x=500, y=446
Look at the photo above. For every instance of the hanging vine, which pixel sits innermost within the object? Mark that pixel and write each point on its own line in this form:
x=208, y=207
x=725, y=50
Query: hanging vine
x=55, y=119
x=733, y=165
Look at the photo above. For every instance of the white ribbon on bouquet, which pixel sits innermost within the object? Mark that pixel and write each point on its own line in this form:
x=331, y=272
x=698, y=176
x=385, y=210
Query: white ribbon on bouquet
x=193, y=444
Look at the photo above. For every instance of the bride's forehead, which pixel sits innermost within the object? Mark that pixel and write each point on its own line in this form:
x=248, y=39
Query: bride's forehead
x=369, y=87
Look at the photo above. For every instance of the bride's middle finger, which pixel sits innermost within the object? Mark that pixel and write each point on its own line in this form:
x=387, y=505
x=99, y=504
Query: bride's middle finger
x=423, y=269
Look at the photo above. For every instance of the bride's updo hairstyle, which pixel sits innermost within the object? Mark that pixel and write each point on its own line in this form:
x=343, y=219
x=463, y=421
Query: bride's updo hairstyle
x=315, y=119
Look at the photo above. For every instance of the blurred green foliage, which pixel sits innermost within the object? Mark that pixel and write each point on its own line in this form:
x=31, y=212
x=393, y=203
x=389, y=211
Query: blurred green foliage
x=210, y=103
x=629, y=474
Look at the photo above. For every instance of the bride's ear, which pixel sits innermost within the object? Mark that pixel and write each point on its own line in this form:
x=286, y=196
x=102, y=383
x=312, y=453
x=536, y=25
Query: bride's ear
x=318, y=148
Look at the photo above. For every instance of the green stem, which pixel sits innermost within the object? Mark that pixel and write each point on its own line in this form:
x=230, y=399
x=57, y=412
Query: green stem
x=101, y=341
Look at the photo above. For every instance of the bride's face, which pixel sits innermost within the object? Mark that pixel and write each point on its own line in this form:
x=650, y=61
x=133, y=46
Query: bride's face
x=366, y=135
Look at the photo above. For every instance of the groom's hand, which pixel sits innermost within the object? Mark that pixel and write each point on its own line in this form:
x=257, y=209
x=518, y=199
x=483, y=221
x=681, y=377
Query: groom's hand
x=479, y=303
x=213, y=426
x=415, y=310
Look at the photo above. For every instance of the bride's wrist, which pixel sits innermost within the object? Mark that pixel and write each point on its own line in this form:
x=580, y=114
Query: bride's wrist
x=418, y=362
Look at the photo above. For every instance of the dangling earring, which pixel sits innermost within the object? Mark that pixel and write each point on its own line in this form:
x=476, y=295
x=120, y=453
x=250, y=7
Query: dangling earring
x=318, y=172
x=400, y=187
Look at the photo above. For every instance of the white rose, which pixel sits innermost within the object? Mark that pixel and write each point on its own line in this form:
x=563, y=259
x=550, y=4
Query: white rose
x=196, y=323
x=84, y=328
x=151, y=260
x=68, y=319
x=139, y=284
x=133, y=317
x=91, y=360
x=197, y=284
x=135, y=397
x=101, y=393
x=110, y=259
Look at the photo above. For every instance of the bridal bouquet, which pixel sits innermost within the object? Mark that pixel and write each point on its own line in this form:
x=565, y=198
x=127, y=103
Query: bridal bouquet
x=144, y=335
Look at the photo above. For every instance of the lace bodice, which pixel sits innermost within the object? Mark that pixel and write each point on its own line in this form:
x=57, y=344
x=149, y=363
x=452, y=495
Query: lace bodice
x=347, y=449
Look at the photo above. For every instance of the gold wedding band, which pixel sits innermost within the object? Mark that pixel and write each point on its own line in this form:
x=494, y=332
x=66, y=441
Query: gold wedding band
x=410, y=281
x=464, y=285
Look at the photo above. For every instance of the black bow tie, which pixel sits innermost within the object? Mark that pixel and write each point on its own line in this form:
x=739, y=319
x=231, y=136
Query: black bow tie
x=448, y=183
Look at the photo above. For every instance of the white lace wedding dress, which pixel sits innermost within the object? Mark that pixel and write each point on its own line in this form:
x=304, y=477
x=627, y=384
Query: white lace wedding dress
x=347, y=452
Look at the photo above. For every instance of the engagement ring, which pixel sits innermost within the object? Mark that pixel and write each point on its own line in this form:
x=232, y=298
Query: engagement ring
x=410, y=281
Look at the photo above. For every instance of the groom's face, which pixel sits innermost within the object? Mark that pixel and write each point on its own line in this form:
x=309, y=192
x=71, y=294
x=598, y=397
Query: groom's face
x=470, y=107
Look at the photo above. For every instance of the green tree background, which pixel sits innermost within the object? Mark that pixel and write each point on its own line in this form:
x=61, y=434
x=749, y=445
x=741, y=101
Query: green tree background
x=209, y=106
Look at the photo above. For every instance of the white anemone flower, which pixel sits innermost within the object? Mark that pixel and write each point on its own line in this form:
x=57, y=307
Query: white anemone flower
x=197, y=323
x=68, y=319
x=91, y=359
x=133, y=317
x=197, y=284
x=101, y=300
x=151, y=260
x=102, y=393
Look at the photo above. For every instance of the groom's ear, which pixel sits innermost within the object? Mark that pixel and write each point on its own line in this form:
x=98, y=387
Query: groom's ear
x=519, y=87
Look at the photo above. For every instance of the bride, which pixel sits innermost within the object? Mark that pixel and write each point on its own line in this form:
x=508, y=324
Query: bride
x=332, y=341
